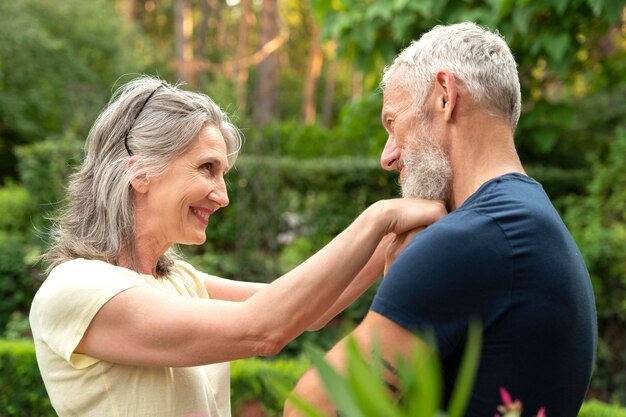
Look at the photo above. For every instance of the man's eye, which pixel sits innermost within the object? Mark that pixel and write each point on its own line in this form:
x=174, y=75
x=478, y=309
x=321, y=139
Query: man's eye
x=208, y=166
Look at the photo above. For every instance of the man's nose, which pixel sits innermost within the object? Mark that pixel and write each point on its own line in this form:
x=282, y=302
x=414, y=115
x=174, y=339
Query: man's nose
x=390, y=156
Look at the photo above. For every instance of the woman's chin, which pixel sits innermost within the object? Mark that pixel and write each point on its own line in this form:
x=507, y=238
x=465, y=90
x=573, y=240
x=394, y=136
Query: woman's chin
x=195, y=240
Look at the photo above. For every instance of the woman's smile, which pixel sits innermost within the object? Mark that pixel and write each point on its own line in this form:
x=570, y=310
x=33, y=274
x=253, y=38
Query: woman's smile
x=202, y=214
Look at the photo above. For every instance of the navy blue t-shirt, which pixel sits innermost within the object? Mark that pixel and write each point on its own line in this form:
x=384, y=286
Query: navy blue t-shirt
x=505, y=257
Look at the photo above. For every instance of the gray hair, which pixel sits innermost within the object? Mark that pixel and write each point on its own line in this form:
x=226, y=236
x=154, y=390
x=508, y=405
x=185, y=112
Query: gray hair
x=479, y=59
x=98, y=221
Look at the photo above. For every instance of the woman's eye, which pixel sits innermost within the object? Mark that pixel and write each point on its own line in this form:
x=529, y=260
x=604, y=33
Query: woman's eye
x=208, y=166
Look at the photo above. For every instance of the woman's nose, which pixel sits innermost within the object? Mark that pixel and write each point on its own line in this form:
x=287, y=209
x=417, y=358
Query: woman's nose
x=220, y=194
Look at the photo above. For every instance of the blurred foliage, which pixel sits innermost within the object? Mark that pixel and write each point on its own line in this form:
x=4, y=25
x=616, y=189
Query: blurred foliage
x=374, y=31
x=252, y=380
x=18, y=278
x=16, y=208
x=569, y=52
x=22, y=390
x=57, y=66
x=595, y=408
x=45, y=166
x=598, y=223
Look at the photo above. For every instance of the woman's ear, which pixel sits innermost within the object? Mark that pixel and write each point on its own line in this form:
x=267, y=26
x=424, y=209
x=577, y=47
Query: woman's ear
x=138, y=182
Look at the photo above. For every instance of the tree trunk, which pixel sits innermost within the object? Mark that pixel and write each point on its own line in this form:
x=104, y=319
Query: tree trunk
x=357, y=85
x=203, y=28
x=329, y=92
x=316, y=59
x=184, y=48
x=129, y=13
x=243, y=46
x=266, y=99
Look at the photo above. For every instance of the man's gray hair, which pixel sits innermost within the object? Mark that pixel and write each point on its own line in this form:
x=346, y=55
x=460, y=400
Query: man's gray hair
x=98, y=220
x=479, y=59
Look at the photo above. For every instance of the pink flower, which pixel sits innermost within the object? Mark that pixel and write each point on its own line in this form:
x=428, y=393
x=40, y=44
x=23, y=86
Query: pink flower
x=541, y=412
x=509, y=408
x=506, y=397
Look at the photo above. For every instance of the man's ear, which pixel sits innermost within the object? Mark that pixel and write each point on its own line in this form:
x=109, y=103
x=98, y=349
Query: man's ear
x=446, y=89
x=138, y=182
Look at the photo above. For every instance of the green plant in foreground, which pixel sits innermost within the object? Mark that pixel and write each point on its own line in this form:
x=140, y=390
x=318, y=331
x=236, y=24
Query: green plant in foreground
x=362, y=391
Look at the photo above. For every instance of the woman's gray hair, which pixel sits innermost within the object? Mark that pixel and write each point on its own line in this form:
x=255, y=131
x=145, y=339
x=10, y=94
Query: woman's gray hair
x=98, y=221
x=479, y=59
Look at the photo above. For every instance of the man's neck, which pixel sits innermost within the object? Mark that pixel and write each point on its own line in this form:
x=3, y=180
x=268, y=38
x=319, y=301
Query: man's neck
x=482, y=150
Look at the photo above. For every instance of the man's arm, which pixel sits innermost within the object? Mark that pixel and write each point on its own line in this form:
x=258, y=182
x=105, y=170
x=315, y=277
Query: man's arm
x=392, y=341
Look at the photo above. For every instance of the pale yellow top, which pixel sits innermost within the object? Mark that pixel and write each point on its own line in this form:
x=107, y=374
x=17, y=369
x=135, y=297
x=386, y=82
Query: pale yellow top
x=82, y=386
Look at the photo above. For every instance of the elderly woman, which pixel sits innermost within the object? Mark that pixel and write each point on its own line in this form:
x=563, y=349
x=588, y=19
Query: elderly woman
x=124, y=328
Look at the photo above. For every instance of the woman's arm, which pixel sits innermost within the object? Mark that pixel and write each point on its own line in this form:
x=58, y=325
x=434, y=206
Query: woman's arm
x=233, y=290
x=387, y=251
x=230, y=289
x=145, y=326
x=366, y=277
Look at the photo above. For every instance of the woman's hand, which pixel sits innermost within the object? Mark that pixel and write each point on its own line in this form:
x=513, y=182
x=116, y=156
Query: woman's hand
x=425, y=212
x=396, y=244
x=404, y=214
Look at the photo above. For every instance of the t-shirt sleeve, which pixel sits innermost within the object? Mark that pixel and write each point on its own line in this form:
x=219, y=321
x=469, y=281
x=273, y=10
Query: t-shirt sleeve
x=70, y=298
x=457, y=269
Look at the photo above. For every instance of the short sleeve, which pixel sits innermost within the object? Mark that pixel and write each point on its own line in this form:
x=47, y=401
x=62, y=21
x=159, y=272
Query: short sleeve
x=192, y=279
x=69, y=299
x=457, y=269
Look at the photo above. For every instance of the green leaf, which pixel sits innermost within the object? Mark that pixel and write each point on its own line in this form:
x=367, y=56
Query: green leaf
x=561, y=6
x=305, y=407
x=467, y=374
x=321, y=8
x=545, y=140
x=422, y=381
x=378, y=11
x=596, y=6
x=424, y=7
x=506, y=6
x=368, y=384
x=400, y=5
x=284, y=390
x=400, y=25
x=337, y=387
x=556, y=47
x=521, y=19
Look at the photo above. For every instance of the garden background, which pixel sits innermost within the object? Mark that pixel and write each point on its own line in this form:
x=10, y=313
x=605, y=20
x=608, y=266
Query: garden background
x=300, y=78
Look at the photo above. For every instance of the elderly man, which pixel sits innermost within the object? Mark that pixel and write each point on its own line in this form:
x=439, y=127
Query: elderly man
x=451, y=104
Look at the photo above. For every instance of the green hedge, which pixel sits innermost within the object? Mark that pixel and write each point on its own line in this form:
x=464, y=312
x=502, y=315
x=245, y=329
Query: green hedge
x=261, y=383
x=22, y=393
x=254, y=383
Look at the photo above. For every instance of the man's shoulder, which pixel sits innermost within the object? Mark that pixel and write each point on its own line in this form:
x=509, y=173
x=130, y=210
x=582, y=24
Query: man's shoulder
x=460, y=228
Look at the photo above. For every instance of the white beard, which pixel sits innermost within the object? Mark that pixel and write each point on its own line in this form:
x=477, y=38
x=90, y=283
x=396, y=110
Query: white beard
x=427, y=169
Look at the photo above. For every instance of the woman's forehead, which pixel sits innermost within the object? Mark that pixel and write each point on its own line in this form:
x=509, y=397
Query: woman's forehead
x=210, y=142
